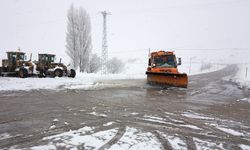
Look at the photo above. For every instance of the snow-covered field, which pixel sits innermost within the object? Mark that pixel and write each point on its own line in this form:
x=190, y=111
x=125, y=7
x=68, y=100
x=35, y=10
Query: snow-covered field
x=88, y=81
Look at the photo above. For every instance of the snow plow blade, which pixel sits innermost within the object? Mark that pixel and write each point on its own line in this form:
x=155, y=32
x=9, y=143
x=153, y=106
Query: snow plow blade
x=167, y=79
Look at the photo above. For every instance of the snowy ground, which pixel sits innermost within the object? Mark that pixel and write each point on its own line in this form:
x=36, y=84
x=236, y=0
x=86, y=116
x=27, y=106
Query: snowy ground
x=208, y=115
x=133, y=138
x=88, y=81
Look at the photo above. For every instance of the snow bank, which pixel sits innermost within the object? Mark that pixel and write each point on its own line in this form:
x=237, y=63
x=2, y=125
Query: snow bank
x=242, y=77
x=87, y=81
x=81, y=81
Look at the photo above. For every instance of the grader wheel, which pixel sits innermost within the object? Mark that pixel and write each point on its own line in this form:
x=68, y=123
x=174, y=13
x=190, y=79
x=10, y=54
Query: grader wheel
x=58, y=73
x=23, y=73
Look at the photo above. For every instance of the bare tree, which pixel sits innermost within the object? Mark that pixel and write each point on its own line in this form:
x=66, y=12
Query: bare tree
x=78, y=37
x=71, y=36
x=94, y=64
x=115, y=66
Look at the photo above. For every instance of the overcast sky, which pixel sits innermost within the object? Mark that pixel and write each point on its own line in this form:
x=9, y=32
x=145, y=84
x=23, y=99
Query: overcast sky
x=134, y=26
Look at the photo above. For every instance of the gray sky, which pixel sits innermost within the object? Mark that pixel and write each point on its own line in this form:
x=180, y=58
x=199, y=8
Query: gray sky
x=134, y=26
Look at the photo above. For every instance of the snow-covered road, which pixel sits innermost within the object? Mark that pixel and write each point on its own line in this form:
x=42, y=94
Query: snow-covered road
x=212, y=113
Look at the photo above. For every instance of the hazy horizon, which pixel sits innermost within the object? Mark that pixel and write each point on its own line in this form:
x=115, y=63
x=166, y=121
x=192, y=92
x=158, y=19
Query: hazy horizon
x=215, y=29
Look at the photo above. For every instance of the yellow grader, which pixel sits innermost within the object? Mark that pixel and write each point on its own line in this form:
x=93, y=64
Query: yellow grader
x=17, y=65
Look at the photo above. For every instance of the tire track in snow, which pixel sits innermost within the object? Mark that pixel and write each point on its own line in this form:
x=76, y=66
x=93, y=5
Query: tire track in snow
x=164, y=142
x=115, y=139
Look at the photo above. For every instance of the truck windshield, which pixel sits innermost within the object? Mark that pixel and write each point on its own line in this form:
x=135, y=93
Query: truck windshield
x=21, y=57
x=50, y=58
x=16, y=56
x=46, y=58
x=166, y=61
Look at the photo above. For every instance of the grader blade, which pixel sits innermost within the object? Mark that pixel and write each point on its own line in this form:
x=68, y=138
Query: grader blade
x=167, y=79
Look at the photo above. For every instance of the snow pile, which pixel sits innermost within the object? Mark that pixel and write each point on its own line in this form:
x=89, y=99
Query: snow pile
x=242, y=77
x=81, y=81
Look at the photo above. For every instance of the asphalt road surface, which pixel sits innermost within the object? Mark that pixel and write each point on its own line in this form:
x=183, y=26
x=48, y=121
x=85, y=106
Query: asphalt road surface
x=209, y=113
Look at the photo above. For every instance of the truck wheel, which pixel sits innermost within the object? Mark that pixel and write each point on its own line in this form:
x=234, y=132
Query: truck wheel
x=23, y=73
x=58, y=73
x=72, y=73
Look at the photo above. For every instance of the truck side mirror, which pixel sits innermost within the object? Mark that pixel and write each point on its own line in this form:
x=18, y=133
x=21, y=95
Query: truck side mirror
x=179, y=61
x=149, y=62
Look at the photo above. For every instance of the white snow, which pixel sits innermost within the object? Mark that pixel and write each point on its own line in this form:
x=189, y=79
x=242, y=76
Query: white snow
x=244, y=147
x=135, y=139
x=134, y=113
x=194, y=115
x=5, y=136
x=231, y=131
x=85, y=138
x=48, y=147
x=96, y=114
x=163, y=121
x=245, y=100
x=76, y=138
x=176, y=142
x=196, y=68
x=242, y=77
x=207, y=145
x=55, y=120
x=154, y=119
x=190, y=126
x=108, y=124
x=52, y=127
x=83, y=80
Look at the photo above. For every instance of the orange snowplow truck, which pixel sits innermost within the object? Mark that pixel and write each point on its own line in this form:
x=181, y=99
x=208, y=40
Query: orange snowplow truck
x=162, y=70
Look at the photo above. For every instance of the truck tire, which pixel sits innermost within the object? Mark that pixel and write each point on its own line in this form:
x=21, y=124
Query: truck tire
x=23, y=73
x=58, y=73
x=72, y=73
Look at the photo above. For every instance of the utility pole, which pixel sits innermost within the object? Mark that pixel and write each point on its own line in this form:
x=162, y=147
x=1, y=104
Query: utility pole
x=104, y=43
x=246, y=73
